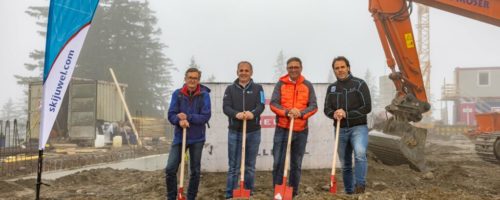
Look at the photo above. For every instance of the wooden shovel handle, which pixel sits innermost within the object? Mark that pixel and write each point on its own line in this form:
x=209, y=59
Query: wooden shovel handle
x=183, y=154
x=288, y=147
x=337, y=131
x=243, y=150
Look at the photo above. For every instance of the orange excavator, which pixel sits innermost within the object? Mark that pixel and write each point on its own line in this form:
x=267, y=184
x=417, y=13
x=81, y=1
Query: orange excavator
x=392, y=19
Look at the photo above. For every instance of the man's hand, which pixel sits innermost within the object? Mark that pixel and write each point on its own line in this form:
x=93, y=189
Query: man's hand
x=240, y=115
x=294, y=112
x=339, y=114
x=182, y=116
x=249, y=115
x=184, y=123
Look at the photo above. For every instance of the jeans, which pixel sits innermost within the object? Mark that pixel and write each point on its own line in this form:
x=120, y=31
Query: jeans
x=353, y=139
x=234, y=155
x=174, y=160
x=298, y=148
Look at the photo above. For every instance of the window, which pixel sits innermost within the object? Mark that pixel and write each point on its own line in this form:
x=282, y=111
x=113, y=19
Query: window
x=483, y=78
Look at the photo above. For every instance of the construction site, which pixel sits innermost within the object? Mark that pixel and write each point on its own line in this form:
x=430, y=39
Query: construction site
x=94, y=166
x=457, y=172
x=98, y=149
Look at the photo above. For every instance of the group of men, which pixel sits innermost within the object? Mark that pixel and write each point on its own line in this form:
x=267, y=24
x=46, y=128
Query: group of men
x=347, y=101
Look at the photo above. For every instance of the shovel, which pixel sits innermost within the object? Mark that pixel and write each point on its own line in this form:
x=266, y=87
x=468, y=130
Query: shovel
x=242, y=193
x=333, y=182
x=283, y=192
x=180, y=191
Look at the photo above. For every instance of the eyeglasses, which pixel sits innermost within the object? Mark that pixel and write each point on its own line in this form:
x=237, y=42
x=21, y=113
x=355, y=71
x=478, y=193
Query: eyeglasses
x=293, y=67
x=193, y=78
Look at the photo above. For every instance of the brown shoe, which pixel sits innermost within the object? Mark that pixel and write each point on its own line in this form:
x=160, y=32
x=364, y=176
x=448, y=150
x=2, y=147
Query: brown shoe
x=360, y=189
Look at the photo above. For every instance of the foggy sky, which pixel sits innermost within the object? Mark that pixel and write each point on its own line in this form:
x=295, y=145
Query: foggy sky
x=220, y=33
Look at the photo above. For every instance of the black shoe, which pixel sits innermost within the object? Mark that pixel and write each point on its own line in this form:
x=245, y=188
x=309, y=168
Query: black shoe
x=360, y=189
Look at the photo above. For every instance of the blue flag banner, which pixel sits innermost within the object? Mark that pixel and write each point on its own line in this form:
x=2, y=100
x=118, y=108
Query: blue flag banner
x=69, y=22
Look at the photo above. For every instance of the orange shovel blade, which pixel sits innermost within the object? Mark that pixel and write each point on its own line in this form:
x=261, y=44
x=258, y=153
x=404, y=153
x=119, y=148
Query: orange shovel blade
x=241, y=193
x=282, y=192
x=333, y=185
x=180, y=195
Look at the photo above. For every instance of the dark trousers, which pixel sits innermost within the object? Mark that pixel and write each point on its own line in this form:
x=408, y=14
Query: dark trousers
x=174, y=160
x=298, y=148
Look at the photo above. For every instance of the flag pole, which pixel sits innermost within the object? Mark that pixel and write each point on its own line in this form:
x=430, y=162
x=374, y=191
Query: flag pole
x=64, y=41
x=39, y=173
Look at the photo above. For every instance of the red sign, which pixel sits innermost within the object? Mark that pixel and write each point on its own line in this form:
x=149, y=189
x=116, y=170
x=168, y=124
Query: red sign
x=267, y=121
x=466, y=113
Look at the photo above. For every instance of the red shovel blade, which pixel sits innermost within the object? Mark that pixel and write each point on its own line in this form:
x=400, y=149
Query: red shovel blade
x=241, y=193
x=282, y=192
x=180, y=195
x=333, y=185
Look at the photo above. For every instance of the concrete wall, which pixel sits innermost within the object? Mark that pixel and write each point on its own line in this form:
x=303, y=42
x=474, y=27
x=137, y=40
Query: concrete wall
x=320, y=141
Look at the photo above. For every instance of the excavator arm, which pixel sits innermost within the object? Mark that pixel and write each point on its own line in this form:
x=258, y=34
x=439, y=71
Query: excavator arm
x=392, y=19
x=487, y=11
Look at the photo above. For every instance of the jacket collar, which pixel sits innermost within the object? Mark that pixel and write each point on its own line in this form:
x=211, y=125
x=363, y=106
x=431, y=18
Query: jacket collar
x=185, y=90
x=237, y=84
x=349, y=77
x=286, y=79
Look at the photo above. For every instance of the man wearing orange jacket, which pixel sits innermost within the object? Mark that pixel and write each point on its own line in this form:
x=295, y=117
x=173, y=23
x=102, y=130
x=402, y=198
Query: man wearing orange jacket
x=293, y=97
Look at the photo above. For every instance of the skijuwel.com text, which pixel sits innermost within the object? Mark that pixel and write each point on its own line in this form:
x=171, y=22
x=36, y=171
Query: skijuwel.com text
x=56, y=97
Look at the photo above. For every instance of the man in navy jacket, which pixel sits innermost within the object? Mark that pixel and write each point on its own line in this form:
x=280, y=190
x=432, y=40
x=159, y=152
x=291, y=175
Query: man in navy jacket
x=189, y=108
x=348, y=100
x=243, y=100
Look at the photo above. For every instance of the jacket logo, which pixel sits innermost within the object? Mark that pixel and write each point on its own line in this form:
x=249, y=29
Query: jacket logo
x=249, y=92
x=333, y=88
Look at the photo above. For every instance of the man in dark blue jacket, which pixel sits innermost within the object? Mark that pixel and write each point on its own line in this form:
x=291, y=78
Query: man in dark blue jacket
x=189, y=108
x=243, y=100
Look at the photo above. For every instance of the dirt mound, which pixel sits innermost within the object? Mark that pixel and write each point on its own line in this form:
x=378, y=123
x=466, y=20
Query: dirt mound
x=9, y=187
x=454, y=173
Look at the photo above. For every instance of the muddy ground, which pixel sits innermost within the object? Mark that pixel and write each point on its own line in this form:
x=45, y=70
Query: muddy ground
x=457, y=173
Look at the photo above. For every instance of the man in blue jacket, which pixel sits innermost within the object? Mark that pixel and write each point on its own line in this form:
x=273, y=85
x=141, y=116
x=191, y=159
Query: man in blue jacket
x=189, y=108
x=243, y=100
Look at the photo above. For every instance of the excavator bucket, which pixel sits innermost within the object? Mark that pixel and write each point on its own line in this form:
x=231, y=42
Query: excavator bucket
x=400, y=143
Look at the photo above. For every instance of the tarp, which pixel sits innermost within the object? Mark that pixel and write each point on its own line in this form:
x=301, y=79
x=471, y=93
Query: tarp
x=68, y=24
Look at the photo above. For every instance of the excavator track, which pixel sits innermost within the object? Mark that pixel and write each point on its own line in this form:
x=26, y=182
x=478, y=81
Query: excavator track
x=488, y=147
